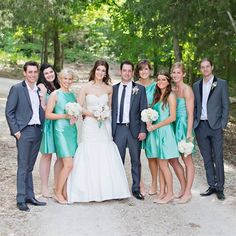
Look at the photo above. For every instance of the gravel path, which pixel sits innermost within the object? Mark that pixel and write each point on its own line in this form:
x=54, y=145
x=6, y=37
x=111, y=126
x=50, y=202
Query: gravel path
x=201, y=216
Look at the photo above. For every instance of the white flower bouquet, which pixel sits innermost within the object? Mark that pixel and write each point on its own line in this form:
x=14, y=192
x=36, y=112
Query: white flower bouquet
x=185, y=147
x=73, y=109
x=101, y=113
x=149, y=115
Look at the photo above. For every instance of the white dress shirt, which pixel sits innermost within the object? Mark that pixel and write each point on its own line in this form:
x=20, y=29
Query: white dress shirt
x=34, y=99
x=128, y=94
x=206, y=88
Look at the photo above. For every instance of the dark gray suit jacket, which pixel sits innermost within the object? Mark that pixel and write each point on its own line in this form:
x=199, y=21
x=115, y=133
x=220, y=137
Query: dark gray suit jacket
x=19, y=109
x=138, y=102
x=217, y=104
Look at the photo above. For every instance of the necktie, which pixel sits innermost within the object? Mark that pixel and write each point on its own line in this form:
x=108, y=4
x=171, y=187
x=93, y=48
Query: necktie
x=122, y=104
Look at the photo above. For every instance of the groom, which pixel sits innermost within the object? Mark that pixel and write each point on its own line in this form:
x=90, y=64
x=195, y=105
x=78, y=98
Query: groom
x=128, y=100
x=210, y=118
x=25, y=117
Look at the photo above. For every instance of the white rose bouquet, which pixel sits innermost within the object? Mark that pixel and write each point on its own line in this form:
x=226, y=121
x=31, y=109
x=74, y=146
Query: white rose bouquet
x=101, y=113
x=185, y=147
x=73, y=109
x=149, y=115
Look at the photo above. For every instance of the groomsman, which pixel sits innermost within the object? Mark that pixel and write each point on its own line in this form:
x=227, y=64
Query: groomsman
x=210, y=118
x=128, y=100
x=25, y=117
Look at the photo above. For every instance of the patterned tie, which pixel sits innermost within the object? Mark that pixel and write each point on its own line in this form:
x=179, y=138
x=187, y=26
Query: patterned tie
x=122, y=104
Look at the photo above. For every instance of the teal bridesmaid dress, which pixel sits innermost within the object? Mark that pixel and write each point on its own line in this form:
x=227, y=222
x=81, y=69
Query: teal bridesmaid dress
x=161, y=143
x=181, y=123
x=65, y=135
x=150, y=90
x=47, y=143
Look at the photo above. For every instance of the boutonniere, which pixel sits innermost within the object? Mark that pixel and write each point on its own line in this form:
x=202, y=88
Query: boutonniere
x=135, y=90
x=214, y=84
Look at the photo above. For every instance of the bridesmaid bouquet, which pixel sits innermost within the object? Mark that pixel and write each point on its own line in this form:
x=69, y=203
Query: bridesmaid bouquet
x=101, y=113
x=149, y=115
x=185, y=147
x=73, y=109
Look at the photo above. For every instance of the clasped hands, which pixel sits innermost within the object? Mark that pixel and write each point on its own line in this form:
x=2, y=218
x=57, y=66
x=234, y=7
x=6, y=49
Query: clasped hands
x=151, y=127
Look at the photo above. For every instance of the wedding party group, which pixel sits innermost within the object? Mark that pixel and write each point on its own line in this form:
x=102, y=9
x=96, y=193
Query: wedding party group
x=162, y=115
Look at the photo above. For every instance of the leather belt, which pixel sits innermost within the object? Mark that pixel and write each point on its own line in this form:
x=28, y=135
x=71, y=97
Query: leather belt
x=35, y=125
x=124, y=124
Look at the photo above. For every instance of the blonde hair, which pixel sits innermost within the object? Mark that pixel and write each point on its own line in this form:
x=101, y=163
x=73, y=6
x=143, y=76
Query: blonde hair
x=178, y=65
x=64, y=73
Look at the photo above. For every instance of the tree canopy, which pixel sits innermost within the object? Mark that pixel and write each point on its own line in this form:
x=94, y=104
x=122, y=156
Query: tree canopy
x=163, y=31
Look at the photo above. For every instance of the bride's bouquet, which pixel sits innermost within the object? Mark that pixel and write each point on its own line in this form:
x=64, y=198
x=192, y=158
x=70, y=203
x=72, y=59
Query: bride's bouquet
x=73, y=109
x=185, y=147
x=149, y=115
x=101, y=113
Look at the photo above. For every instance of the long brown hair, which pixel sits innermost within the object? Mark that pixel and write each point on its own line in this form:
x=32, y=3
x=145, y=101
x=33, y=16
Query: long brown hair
x=158, y=94
x=141, y=64
x=106, y=78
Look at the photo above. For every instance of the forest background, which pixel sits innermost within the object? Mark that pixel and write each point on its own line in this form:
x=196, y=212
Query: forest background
x=81, y=31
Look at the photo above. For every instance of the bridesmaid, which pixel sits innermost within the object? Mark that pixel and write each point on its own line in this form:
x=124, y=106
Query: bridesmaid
x=65, y=134
x=184, y=123
x=161, y=139
x=47, y=82
x=143, y=72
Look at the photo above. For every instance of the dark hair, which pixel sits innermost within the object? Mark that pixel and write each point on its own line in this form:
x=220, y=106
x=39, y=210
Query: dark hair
x=157, y=94
x=49, y=86
x=30, y=63
x=206, y=59
x=127, y=63
x=106, y=79
x=141, y=64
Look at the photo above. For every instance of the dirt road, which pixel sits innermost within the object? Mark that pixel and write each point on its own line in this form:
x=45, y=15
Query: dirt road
x=201, y=216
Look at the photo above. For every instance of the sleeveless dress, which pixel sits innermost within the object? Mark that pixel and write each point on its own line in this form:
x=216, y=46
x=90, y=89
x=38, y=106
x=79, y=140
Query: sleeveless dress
x=181, y=123
x=98, y=173
x=150, y=90
x=65, y=135
x=47, y=144
x=161, y=143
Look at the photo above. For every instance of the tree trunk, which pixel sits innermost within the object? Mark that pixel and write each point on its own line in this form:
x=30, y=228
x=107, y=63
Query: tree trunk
x=57, y=50
x=176, y=47
x=44, y=54
x=155, y=61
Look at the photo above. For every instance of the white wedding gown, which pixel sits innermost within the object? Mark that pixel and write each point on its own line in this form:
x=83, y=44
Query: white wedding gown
x=98, y=173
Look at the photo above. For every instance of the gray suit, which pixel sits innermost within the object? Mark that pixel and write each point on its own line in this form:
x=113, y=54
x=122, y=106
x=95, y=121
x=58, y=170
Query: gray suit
x=18, y=114
x=209, y=133
x=127, y=135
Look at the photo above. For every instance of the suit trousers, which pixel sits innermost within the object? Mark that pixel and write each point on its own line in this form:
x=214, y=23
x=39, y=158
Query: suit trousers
x=210, y=142
x=27, y=147
x=123, y=138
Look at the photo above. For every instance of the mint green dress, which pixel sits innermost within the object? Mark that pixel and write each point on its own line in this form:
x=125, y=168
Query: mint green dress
x=65, y=135
x=47, y=144
x=150, y=90
x=181, y=123
x=161, y=143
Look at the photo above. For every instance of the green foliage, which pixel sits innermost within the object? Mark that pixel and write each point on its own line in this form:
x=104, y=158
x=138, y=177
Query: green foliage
x=158, y=30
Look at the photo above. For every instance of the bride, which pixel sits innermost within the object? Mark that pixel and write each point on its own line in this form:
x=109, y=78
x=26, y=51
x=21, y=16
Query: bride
x=98, y=173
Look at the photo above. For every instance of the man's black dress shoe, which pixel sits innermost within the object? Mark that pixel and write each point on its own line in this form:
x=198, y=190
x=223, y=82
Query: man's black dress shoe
x=208, y=192
x=35, y=202
x=22, y=206
x=138, y=195
x=220, y=195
